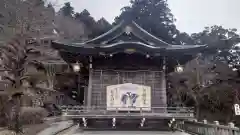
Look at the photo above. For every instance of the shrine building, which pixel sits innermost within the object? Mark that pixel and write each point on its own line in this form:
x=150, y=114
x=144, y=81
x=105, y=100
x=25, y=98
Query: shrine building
x=126, y=68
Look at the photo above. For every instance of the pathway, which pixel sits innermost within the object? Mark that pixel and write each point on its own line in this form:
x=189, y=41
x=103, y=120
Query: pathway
x=78, y=132
x=55, y=127
x=129, y=133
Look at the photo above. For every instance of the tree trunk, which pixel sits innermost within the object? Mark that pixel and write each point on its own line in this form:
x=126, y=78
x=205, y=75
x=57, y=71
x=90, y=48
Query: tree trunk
x=18, y=111
x=15, y=122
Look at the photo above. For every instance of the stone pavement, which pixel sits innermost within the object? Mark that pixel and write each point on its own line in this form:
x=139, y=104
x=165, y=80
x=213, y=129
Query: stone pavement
x=129, y=133
x=55, y=127
x=70, y=131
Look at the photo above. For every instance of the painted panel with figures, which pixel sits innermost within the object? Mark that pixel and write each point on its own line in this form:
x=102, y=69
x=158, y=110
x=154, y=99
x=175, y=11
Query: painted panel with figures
x=128, y=97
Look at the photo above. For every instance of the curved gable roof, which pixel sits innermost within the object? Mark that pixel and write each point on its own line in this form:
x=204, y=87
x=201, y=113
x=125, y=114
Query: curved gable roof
x=115, y=40
x=125, y=27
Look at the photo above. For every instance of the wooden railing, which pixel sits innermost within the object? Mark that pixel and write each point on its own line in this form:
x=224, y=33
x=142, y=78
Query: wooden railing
x=205, y=128
x=154, y=112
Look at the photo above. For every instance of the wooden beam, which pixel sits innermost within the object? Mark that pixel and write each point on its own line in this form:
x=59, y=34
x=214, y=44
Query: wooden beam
x=163, y=82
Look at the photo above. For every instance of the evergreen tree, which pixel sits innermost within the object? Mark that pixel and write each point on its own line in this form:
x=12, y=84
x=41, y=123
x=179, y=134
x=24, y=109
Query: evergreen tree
x=93, y=28
x=103, y=25
x=223, y=41
x=86, y=18
x=152, y=15
x=67, y=9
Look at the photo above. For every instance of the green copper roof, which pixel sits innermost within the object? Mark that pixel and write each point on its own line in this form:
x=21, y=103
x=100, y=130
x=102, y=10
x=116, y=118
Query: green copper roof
x=135, y=37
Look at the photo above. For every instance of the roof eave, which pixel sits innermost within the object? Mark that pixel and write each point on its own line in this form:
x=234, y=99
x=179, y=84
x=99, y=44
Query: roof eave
x=123, y=46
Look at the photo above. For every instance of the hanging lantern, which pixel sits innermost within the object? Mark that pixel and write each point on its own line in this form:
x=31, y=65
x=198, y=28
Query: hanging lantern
x=179, y=68
x=76, y=67
x=147, y=56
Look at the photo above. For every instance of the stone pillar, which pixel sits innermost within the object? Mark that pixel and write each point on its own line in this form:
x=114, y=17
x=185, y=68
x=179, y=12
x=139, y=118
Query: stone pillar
x=89, y=92
x=216, y=122
x=205, y=121
x=231, y=125
x=164, y=83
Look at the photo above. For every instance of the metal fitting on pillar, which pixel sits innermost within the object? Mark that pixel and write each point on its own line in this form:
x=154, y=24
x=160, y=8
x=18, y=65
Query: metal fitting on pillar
x=114, y=122
x=142, y=122
x=84, y=122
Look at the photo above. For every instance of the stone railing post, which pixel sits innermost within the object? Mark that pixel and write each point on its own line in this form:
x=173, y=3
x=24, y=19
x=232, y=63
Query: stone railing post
x=216, y=130
x=195, y=120
x=231, y=125
x=216, y=122
x=232, y=130
x=206, y=128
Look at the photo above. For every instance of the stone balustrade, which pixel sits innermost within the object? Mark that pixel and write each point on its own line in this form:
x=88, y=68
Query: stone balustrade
x=205, y=128
x=92, y=112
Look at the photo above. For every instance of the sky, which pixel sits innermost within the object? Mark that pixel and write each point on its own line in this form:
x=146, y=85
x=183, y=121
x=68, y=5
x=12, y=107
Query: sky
x=192, y=15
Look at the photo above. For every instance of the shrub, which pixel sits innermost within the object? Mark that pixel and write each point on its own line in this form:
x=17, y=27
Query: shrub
x=7, y=132
x=52, y=109
x=5, y=109
x=32, y=115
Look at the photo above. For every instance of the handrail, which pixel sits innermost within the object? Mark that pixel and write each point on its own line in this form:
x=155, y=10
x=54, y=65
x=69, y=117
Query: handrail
x=179, y=112
x=204, y=128
x=145, y=109
x=93, y=107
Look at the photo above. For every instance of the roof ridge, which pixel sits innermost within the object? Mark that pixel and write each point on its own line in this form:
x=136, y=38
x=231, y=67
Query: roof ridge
x=149, y=34
x=104, y=34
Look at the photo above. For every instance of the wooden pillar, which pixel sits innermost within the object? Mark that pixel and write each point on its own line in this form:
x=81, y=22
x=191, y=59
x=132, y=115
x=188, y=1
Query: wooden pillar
x=163, y=83
x=89, y=92
x=85, y=96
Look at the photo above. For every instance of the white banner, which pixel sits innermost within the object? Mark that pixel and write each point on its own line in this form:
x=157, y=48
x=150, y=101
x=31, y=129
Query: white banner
x=129, y=97
x=237, y=109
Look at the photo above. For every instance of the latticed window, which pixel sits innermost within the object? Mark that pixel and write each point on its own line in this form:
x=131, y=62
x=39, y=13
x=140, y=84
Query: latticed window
x=96, y=101
x=104, y=78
